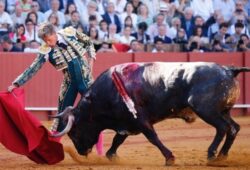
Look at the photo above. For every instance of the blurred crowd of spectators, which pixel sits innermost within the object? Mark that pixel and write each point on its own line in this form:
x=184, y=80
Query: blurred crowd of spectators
x=194, y=25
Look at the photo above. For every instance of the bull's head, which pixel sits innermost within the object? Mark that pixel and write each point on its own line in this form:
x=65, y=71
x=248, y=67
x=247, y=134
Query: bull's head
x=83, y=131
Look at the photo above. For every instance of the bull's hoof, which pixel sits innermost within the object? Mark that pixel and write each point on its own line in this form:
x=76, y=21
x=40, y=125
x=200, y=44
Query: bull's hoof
x=211, y=158
x=221, y=157
x=170, y=161
x=112, y=157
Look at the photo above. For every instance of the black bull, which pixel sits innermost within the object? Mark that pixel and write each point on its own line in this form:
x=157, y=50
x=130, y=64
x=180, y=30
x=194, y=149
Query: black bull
x=159, y=91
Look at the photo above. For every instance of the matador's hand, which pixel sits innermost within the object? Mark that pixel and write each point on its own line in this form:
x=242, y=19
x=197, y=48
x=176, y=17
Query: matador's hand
x=12, y=87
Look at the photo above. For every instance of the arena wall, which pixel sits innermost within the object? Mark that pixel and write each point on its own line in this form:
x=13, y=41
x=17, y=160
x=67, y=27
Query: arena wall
x=42, y=91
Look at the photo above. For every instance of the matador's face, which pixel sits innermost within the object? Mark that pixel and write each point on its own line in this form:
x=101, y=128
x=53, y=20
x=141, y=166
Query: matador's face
x=50, y=40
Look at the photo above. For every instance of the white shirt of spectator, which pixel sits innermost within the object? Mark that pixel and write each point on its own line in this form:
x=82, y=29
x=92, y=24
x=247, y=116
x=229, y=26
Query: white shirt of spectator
x=225, y=8
x=33, y=35
x=204, y=8
x=119, y=5
x=153, y=6
x=124, y=40
x=5, y=19
x=82, y=6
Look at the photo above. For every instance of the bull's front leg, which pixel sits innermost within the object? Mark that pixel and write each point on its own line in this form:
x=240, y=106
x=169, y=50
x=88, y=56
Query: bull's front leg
x=117, y=141
x=151, y=135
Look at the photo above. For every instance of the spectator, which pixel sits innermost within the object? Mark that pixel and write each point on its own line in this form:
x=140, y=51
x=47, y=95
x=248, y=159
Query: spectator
x=187, y=21
x=33, y=16
x=238, y=31
x=239, y=19
x=243, y=44
x=197, y=34
x=31, y=31
x=153, y=29
x=101, y=6
x=199, y=21
x=159, y=46
x=92, y=10
x=217, y=47
x=55, y=9
x=10, y=6
x=92, y=23
x=69, y=9
x=74, y=20
x=5, y=20
x=168, y=10
x=54, y=20
x=143, y=15
x=134, y=47
x=44, y=5
x=194, y=46
x=82, y=6
x=36, y=8
x=223, y=37
x=141, y=36
x=153, y=5
x=119, y=6
x=129, y=23
x=180, y=6
x=239, y=12
x=215, y=27
x=113, y=37
x=111, y=18
x=18, y=37
x=245, y=39
x=247, y=7
x=162, y=35
x=103, y=32
x=225, y=8
x=18, y=17
x=128, y=11
x=25, y=5
x=106, y=47
x=32, y=47
x=181, y=39
x=136, y=4
x=203, y=8
x=175, y=25
x=126, y=37
x=8, y=45
x=94, y=37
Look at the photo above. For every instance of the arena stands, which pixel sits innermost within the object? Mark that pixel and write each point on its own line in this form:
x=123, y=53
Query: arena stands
x=201, y=26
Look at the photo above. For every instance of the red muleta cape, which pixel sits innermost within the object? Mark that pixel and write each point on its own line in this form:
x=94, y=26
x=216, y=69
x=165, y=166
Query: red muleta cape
x=22, y=133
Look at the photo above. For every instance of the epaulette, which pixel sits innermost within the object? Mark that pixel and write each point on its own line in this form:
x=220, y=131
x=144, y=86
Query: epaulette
x=69, y=31
x=44, y=49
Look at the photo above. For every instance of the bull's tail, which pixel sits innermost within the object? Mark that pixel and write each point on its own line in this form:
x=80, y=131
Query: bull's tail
x=236, y=70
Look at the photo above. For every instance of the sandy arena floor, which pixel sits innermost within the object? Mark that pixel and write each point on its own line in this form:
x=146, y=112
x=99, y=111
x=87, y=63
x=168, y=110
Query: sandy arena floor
x=189, y=143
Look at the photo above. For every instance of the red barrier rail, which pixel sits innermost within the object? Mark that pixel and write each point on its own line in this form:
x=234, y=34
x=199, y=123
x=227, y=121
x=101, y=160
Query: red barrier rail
x=42, y=90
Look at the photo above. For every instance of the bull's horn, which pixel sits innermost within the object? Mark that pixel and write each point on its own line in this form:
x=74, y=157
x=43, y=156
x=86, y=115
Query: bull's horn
x=62, y=113
x=71, y=119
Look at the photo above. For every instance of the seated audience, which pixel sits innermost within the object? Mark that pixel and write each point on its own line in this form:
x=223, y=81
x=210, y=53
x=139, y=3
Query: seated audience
x=8, y=45
x=141, y=34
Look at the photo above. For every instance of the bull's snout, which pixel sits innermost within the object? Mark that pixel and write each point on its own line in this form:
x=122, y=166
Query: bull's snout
x=85, y=153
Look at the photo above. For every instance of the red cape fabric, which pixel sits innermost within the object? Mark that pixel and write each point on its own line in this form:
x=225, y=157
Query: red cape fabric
x=22, y=133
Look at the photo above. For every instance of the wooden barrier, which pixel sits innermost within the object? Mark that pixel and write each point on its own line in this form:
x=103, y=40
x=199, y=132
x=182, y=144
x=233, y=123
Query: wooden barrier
x=247, y=81
x=42, y=90
x=106, y=60
x=167, y=57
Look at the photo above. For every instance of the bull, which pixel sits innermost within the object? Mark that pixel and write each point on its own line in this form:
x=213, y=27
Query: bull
x=159, y=91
